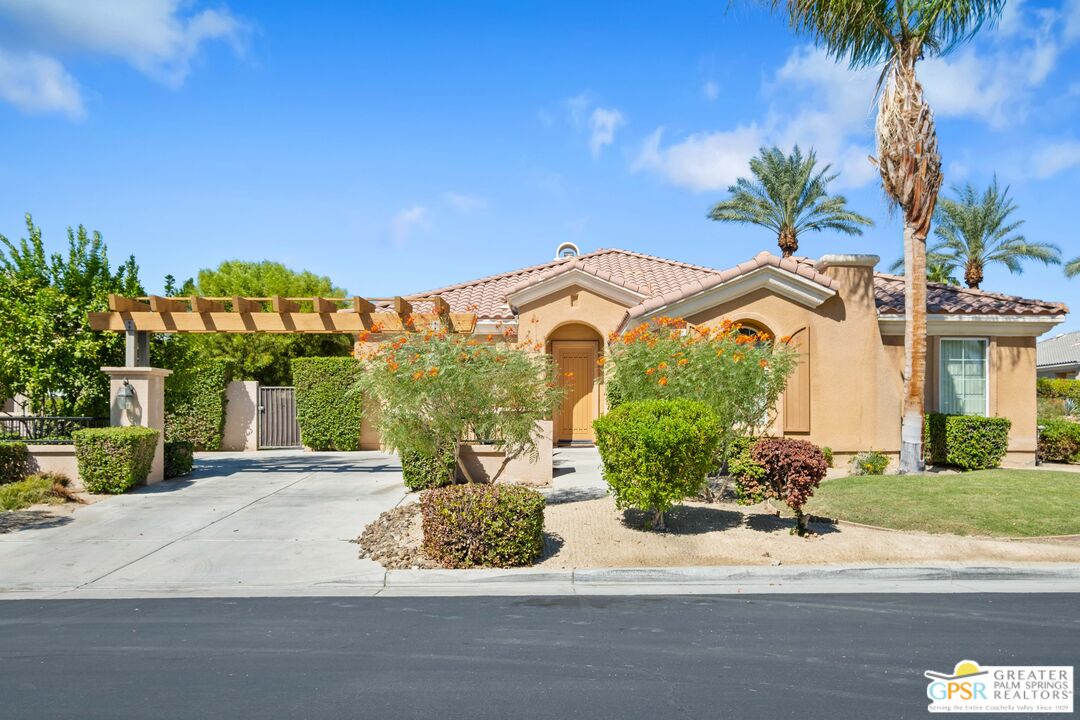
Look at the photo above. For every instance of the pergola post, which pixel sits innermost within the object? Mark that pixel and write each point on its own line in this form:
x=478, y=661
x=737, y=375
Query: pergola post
x=136, y=346
x=148, y=406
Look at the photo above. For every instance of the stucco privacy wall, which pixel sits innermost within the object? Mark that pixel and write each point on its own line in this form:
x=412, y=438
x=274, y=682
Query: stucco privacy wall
x=57, y=459
x=241, y=416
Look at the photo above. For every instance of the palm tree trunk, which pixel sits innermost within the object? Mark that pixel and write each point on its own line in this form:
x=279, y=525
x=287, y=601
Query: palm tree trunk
x=911, y=422
x=973, y=275
x=788, y=242
x=910, y=170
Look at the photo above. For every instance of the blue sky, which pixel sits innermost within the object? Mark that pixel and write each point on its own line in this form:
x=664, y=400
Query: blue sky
x=401, y=146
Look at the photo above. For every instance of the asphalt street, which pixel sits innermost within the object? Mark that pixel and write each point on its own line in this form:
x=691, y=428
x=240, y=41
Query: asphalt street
x=763, y=656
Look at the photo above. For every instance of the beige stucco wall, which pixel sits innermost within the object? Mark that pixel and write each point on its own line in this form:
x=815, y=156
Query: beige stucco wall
x=241, y=416
x=58, y=459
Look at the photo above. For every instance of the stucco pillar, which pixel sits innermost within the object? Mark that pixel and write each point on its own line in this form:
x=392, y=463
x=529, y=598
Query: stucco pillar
x=148, y=410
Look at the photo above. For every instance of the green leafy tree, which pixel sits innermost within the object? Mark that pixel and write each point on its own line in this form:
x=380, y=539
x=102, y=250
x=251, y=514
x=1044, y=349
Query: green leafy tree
x=895, y=35
x=737, y=372
x=975, y=230
x=434, y=390
x=262, y=356
x=788, y=195
x=47, y=350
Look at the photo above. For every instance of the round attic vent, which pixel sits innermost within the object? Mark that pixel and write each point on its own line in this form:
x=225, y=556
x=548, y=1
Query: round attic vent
x=566, y=249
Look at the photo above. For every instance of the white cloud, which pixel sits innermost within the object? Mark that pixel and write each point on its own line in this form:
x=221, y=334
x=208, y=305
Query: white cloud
x=710, y=90
x=705, y=161
x=38, y=84
x=160, y=38
x=818, y=104
x=465, y=203
x=1055, y=157
x=1072, y=20
x=602, y=125
x=407, y=221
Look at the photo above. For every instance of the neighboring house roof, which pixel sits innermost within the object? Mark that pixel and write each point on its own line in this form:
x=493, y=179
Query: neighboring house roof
x=949, y=299
x=1061, y=350
x=661, y=282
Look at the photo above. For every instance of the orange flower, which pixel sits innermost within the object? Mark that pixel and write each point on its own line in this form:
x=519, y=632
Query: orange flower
x=568, y=374
x=763, y=362
x=418, y=374
x=376, y=327
x=683, y=361
x=433, y=372
x=786, y=339
x=391, y=364
x=662, y=365
x=601, y=360
x=662, y=381
x=650, y=371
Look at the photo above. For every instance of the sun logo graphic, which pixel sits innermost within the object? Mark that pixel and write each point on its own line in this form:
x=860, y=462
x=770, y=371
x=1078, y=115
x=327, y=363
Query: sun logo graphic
x=971, y=687
x=967, y=682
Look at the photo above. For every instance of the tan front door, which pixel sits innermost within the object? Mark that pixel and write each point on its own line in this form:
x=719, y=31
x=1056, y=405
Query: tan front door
x=577, y=373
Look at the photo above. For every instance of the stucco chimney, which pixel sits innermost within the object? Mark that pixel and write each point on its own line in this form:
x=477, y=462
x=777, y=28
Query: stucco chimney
x=855, y=273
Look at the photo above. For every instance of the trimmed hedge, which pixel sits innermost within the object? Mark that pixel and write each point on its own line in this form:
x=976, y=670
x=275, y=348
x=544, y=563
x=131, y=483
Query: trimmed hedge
x=179, y=458
x=483, y=525
x=422, y=471
x=329, y=417
x=1059, y=388
x=14, y=461
x=657, y=452
x=195, y=404
x=1059, y=441
x=114, y=459
x=969, y=442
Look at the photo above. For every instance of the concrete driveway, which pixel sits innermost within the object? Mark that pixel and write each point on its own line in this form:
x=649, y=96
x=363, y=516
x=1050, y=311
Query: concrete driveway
x=240, y=522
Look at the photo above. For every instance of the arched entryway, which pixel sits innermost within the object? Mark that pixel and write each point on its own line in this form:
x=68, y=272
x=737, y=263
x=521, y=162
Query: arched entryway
x=575, y=348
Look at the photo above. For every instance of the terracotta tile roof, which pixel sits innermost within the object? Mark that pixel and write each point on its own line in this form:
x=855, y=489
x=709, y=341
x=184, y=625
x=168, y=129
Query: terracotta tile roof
x=662, y=282
x=948, y=299
x=646, y=275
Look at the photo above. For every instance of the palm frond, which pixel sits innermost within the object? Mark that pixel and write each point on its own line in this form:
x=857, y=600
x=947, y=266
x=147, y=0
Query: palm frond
x=1072, y=268
x=865, y=33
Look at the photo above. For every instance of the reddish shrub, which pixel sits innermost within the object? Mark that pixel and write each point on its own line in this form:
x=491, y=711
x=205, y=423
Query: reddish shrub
x=793, y=468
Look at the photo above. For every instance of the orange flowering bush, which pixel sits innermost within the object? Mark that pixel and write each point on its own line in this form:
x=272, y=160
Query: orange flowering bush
x=738, y=373
x=434, y=390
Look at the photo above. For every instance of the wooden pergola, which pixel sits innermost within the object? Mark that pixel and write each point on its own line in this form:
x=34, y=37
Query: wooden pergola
x=373, y=318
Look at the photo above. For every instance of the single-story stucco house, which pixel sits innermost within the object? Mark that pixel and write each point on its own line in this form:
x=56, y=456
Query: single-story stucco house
x=846, y=319
x=1059, y=356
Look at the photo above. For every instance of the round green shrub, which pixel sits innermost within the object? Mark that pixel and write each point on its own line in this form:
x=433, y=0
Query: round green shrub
x=657, y=452
x=422, y=471
x=479, y=525
x=179, y=458
x=114, y=459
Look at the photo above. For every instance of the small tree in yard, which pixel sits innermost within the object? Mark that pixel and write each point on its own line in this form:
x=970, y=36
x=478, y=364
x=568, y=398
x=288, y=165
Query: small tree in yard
x=739, y=374
x=782, y=468
x=434, y=390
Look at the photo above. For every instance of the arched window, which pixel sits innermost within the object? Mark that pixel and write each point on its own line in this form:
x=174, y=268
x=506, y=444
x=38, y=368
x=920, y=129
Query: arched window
x=751, y=328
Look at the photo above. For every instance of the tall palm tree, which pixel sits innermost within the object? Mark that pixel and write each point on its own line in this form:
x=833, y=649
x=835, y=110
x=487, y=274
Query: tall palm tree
x=975, y=231
x=896, y=34
x=1072, y=268
x=788, y=195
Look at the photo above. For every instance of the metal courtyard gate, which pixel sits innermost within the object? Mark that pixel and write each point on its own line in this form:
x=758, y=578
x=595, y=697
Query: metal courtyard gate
x=277, y=418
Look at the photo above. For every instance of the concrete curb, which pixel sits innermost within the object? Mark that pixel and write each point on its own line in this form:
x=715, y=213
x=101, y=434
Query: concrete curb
x=805, y=579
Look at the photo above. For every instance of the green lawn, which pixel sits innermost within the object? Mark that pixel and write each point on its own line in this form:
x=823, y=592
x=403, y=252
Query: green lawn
x=1010, y=503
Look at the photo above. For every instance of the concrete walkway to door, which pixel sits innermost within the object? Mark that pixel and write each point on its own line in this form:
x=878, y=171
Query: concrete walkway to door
x=240, y=522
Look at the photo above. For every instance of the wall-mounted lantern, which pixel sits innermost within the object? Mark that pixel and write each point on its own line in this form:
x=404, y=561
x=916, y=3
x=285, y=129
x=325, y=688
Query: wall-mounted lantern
x=125, y=397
